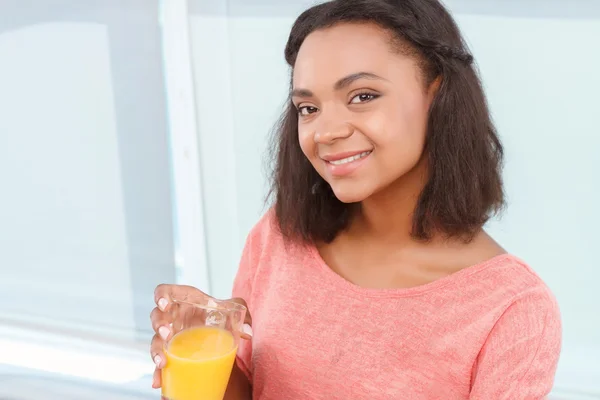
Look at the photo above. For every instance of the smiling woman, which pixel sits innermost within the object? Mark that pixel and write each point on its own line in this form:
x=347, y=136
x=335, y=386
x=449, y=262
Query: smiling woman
x=399, y=104
x=543, y=106
x=387, y=166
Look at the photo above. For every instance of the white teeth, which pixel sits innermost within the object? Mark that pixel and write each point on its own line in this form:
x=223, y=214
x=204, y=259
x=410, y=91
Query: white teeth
x=350, y=159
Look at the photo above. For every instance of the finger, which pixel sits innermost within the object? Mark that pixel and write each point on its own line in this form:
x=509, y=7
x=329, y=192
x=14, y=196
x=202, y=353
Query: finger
x=164, y=294
x=246, y=332
x=161, y=323
x=156, y=379
x=156, y=351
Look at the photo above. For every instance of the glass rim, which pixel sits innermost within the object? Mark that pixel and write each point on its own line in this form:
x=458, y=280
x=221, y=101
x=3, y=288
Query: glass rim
x=217, y=305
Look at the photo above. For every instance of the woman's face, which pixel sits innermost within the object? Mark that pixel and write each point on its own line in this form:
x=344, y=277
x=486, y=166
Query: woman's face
x=362, y=109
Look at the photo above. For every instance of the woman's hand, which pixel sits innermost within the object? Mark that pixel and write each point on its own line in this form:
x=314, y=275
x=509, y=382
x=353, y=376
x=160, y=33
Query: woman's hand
x=162, y=320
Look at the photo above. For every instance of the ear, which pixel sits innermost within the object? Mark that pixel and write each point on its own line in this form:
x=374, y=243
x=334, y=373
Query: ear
x=433, y=88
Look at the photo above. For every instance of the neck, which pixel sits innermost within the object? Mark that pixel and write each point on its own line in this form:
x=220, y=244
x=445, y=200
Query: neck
x=388, y=214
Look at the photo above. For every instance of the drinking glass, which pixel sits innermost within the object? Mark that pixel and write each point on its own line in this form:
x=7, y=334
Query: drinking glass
x=202, y=350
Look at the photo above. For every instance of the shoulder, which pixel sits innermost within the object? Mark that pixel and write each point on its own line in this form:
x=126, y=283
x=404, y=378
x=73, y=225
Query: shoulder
x=511, y=275
x=519, y=356
x=265, y=248
x=505, y=288
x=265, y=232
x=531, y=290
x=265, y=243
x=526, y=296
x=257, y=242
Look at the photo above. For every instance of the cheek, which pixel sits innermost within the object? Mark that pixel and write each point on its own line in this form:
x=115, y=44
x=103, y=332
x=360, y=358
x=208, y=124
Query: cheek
x=307, y=142
x=409, y=121
x=398, y=132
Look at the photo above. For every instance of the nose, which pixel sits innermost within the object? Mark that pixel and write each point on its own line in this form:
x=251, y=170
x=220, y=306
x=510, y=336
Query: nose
x=329, y=133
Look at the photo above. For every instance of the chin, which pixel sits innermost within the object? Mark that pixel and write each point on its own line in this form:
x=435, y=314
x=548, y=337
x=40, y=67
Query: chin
x=350, y=195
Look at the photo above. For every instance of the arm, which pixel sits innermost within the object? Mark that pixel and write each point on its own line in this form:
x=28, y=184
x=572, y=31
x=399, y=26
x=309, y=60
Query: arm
x=519, y=358
x=239, y=387
x=240, y=383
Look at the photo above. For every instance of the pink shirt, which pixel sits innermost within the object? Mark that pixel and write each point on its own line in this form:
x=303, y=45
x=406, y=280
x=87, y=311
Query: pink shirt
x=491, y=331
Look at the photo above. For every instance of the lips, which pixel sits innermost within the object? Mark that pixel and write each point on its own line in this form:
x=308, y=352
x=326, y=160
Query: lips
x=349, y=159
x=343, y=164
x=343, y=155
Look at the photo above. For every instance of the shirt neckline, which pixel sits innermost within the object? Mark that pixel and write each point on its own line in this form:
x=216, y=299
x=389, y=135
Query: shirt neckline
x=340, y=282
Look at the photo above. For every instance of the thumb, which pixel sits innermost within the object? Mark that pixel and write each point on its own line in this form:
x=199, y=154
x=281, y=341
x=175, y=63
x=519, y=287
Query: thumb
x=246, y=332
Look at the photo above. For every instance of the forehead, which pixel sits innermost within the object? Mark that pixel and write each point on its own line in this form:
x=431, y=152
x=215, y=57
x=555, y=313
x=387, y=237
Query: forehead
x=344, y=49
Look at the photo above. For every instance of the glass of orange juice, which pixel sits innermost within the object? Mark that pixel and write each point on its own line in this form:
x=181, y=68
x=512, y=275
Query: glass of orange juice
x=201, y=353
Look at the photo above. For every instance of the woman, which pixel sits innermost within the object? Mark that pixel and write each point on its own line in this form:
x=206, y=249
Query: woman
x=372, y=276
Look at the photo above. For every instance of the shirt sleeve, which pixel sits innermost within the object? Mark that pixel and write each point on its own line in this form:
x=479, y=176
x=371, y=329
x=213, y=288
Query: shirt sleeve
x=242, y=288
x=519, y=358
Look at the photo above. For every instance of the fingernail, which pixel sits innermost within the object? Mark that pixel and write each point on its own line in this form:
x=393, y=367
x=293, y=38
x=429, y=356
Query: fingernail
x=157, y=360
x=162, y=304
x=212, y=303
x=163, y=331
x=247, y=329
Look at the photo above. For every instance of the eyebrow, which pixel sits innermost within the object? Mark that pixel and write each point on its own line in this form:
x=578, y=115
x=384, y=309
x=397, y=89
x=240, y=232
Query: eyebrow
x=340, y=84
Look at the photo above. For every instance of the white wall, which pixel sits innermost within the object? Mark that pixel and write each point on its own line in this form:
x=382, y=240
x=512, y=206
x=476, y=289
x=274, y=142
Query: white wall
x=540, y=72
x=241, y=83
x=239, y=94
x=85, y=210
x=62, y=196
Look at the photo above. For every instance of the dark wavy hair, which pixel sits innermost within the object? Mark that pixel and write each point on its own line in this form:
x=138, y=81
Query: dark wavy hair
x=464, y=188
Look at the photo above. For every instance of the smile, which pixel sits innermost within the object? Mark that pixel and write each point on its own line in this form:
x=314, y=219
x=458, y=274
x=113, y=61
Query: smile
x=350, y=159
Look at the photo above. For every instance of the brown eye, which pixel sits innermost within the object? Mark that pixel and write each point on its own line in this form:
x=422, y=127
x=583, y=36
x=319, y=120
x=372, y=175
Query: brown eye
x=307, y=110
x=363, y=98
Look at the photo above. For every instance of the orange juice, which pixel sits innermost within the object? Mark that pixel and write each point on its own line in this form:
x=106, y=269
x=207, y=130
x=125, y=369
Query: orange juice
x=199, y=363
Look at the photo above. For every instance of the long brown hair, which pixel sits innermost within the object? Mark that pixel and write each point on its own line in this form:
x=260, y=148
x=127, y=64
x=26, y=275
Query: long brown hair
x=464, y=153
